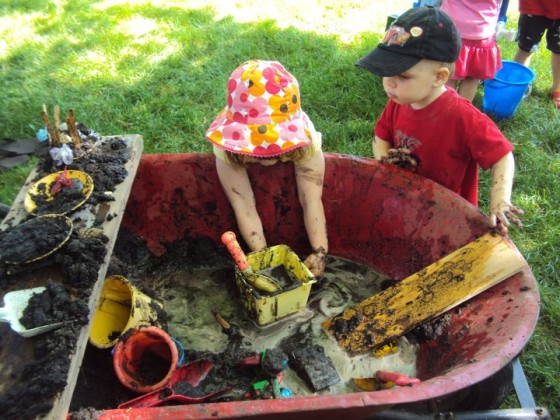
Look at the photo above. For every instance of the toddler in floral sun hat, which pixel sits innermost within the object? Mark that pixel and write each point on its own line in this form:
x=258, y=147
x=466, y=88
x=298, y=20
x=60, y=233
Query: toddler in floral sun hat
x=263, y=123
x=263, y=116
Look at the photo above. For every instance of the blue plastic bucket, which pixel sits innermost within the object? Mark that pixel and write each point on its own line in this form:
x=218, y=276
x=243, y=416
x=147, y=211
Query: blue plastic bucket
x=503, y=94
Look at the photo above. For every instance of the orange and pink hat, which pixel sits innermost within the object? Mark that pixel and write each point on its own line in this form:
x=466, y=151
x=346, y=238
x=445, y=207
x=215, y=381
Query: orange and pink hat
x=263, y=115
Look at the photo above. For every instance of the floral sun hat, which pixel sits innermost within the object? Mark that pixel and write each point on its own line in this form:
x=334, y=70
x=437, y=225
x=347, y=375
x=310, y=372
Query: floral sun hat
x=263, y=115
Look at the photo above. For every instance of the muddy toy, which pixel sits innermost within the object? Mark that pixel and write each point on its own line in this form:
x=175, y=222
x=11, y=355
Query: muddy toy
x=267, y=299
x=269, y=362
x=15, y=304
x=122, y=307
x=59, y=193
x=259, y=281
x=146, y=359
x=184, y=387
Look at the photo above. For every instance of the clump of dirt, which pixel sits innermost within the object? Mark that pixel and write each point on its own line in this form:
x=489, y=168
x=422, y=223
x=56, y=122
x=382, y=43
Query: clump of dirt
x=434, y=328
x=54, y=305
x=34, y=239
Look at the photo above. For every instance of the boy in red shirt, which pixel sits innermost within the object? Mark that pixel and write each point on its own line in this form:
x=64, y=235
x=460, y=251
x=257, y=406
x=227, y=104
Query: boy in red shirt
x=429, y=128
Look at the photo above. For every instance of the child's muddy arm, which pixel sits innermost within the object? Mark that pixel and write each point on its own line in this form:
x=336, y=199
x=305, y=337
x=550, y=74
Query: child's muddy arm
x=309, y=178
x=237, y=187
x=501, y=209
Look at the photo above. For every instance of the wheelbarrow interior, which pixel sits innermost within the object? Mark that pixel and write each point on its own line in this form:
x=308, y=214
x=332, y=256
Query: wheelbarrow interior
x=378, y=215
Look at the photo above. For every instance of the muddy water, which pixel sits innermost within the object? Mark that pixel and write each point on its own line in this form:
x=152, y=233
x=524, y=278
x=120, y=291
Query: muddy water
x=190, y=295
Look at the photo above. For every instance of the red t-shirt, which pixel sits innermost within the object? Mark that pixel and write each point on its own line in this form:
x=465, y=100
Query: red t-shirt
x=451, y=138
x=547, y=8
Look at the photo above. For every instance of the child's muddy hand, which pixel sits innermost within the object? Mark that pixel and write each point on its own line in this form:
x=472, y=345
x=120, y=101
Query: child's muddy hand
x=403, y=158
x=503, y=214
x=316, y=262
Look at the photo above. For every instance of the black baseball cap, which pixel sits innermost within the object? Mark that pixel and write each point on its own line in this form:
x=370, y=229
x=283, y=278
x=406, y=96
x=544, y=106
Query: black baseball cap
x=419, y=33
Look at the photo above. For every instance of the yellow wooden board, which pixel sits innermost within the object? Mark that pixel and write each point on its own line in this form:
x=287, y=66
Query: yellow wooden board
x=426, y=294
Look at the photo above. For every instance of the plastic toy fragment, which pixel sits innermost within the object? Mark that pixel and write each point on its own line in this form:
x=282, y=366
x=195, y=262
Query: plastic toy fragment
x=62, y=155
x=271, y=362
x=42, y=134
x=399, y=379
x=61, y=181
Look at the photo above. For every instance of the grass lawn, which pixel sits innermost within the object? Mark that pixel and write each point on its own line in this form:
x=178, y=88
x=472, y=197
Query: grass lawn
x=159, y=68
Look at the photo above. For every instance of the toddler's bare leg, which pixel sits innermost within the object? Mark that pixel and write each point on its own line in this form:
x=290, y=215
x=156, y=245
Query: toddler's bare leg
x=468, y=87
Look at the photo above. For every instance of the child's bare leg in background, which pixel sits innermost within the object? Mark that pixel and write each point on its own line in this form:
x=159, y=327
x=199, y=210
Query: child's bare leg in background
x=468, y=87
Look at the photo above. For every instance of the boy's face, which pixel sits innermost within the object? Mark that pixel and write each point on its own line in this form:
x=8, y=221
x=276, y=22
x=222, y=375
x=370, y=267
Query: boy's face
x=419, y=86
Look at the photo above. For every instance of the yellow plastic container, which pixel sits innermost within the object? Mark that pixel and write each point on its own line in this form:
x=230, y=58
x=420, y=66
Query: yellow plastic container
x=121, y=307
x=266, y=308
x=43, y=187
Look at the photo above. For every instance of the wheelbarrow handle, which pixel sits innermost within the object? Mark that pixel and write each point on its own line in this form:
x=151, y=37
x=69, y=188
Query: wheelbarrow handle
x=230, y=241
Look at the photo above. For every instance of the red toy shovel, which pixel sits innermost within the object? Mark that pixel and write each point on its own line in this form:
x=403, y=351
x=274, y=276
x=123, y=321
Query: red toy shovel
x=185, y=380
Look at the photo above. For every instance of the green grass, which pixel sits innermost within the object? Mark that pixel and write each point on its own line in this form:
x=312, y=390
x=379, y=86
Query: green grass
x=159, y=69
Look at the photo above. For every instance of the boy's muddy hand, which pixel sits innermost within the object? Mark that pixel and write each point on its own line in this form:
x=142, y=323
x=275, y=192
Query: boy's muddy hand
x=503, y=214
x=316, y=262
x=403, y=158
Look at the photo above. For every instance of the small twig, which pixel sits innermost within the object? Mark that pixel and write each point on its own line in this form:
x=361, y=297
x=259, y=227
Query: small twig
x=223, y=323
x=231, y=330
x=71, y=123
x=47, y=123
x=57, y=125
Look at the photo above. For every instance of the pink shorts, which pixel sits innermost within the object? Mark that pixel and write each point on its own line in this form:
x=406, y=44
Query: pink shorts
x=478, y=59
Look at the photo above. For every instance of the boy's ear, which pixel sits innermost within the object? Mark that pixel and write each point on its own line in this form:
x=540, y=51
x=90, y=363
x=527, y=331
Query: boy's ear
x=442, y=76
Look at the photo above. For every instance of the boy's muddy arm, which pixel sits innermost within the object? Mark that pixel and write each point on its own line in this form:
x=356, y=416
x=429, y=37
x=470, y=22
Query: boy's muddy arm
x=401, y=157
x=380, y=148
x=501, y=209
x=309, y=178
x=237, y=187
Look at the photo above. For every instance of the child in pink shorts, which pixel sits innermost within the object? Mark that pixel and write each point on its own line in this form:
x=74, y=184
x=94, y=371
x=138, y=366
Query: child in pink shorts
x=479, y=58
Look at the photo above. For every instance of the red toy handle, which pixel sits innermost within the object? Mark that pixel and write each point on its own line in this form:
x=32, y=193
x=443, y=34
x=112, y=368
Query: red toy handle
x=230, y=241
x=399, y=379
x=151, y=399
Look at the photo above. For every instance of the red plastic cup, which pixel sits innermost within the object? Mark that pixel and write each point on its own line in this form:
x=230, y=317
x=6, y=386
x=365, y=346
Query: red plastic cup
x=146, y=359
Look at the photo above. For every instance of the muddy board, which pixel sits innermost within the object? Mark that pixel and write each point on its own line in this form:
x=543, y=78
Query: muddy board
x=426, y=294
x=27, y=367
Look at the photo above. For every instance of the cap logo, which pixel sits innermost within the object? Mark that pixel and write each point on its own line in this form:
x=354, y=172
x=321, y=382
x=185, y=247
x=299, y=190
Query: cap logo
x=396, y=35
x=416, y=31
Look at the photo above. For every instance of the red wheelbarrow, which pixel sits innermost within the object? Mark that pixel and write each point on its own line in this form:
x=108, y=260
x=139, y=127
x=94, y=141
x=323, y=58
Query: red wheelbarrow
x=378, y=215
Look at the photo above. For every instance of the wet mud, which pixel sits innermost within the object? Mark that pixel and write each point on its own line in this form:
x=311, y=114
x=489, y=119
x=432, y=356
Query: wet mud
x=195, y=281
x=52, y=306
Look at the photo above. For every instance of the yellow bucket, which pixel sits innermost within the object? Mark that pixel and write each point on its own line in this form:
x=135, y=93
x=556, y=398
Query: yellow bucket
x=121, y=307
x=267, y=308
